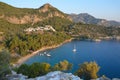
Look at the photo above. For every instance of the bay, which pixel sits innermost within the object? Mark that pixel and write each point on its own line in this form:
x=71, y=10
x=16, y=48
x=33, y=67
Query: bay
x=105, y=53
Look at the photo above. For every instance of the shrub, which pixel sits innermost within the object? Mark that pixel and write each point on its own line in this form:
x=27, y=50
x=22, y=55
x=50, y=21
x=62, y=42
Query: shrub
x=88, y=71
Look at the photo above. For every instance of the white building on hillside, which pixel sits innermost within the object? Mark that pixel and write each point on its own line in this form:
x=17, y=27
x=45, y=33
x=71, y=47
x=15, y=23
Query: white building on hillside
x=46, y=28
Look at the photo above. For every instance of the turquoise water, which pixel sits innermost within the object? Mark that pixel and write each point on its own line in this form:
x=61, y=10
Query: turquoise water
x=105, y=53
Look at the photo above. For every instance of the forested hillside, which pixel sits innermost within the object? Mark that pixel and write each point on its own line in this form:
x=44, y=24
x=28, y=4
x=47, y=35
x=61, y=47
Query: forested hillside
x=14, y=22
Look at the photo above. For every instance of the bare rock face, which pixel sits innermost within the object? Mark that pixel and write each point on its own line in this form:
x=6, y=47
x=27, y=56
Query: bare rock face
x=45, y=8
x=52, y=11
x=58, y=75
x=2, y=16
x=23, y=20
x=13, y=19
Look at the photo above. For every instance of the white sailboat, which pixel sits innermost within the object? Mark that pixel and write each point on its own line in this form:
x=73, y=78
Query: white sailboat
x=74, y=50
x=48, y=55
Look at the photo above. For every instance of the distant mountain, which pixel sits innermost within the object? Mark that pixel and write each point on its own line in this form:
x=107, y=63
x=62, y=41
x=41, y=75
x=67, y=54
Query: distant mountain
x=27, y=15
x=88, y=19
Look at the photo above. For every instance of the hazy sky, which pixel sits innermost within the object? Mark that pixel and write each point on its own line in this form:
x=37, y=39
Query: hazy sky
x=107, y=9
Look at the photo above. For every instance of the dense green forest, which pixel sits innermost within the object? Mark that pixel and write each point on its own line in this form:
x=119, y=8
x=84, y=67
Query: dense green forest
x=58, y=23
x=18, y=42
x=12, y=11
x=92, y=31
x=11, y=29
x=24, y=43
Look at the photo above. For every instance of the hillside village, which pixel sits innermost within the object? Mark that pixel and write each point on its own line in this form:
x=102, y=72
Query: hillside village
x=41, y=28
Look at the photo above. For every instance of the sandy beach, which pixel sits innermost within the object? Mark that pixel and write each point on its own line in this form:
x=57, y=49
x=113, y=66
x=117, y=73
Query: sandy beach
x=23, y=59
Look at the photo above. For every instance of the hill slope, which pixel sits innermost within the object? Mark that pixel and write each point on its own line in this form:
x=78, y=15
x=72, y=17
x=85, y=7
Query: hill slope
x=25, y=15
x=88, y=19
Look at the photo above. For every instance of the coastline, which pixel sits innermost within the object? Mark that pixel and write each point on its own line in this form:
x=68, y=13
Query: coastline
x=23, y=59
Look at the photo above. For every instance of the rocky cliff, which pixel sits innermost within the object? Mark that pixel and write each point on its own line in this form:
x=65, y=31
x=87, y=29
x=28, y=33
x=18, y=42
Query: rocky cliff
x=56, y=75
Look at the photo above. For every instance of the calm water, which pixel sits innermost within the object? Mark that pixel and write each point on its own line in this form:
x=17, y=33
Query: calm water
x=105, y=53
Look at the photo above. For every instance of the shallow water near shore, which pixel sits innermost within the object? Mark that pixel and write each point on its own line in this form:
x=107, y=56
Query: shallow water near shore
x=105, y=53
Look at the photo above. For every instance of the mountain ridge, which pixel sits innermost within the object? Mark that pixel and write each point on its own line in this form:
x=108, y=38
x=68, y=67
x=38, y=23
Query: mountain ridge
x=89, y=19
x=28, y=15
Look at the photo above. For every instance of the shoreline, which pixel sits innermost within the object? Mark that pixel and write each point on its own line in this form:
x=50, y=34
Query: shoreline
x=23, y=59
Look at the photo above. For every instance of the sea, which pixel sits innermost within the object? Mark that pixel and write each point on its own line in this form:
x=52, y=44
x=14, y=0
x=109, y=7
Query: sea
x=105, y=53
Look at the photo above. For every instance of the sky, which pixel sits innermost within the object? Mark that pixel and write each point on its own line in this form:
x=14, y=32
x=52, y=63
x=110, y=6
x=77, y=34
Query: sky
x=105, y=9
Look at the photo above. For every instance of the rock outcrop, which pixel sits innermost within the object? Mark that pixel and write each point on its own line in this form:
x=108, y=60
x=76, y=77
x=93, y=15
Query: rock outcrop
x=58, y=75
